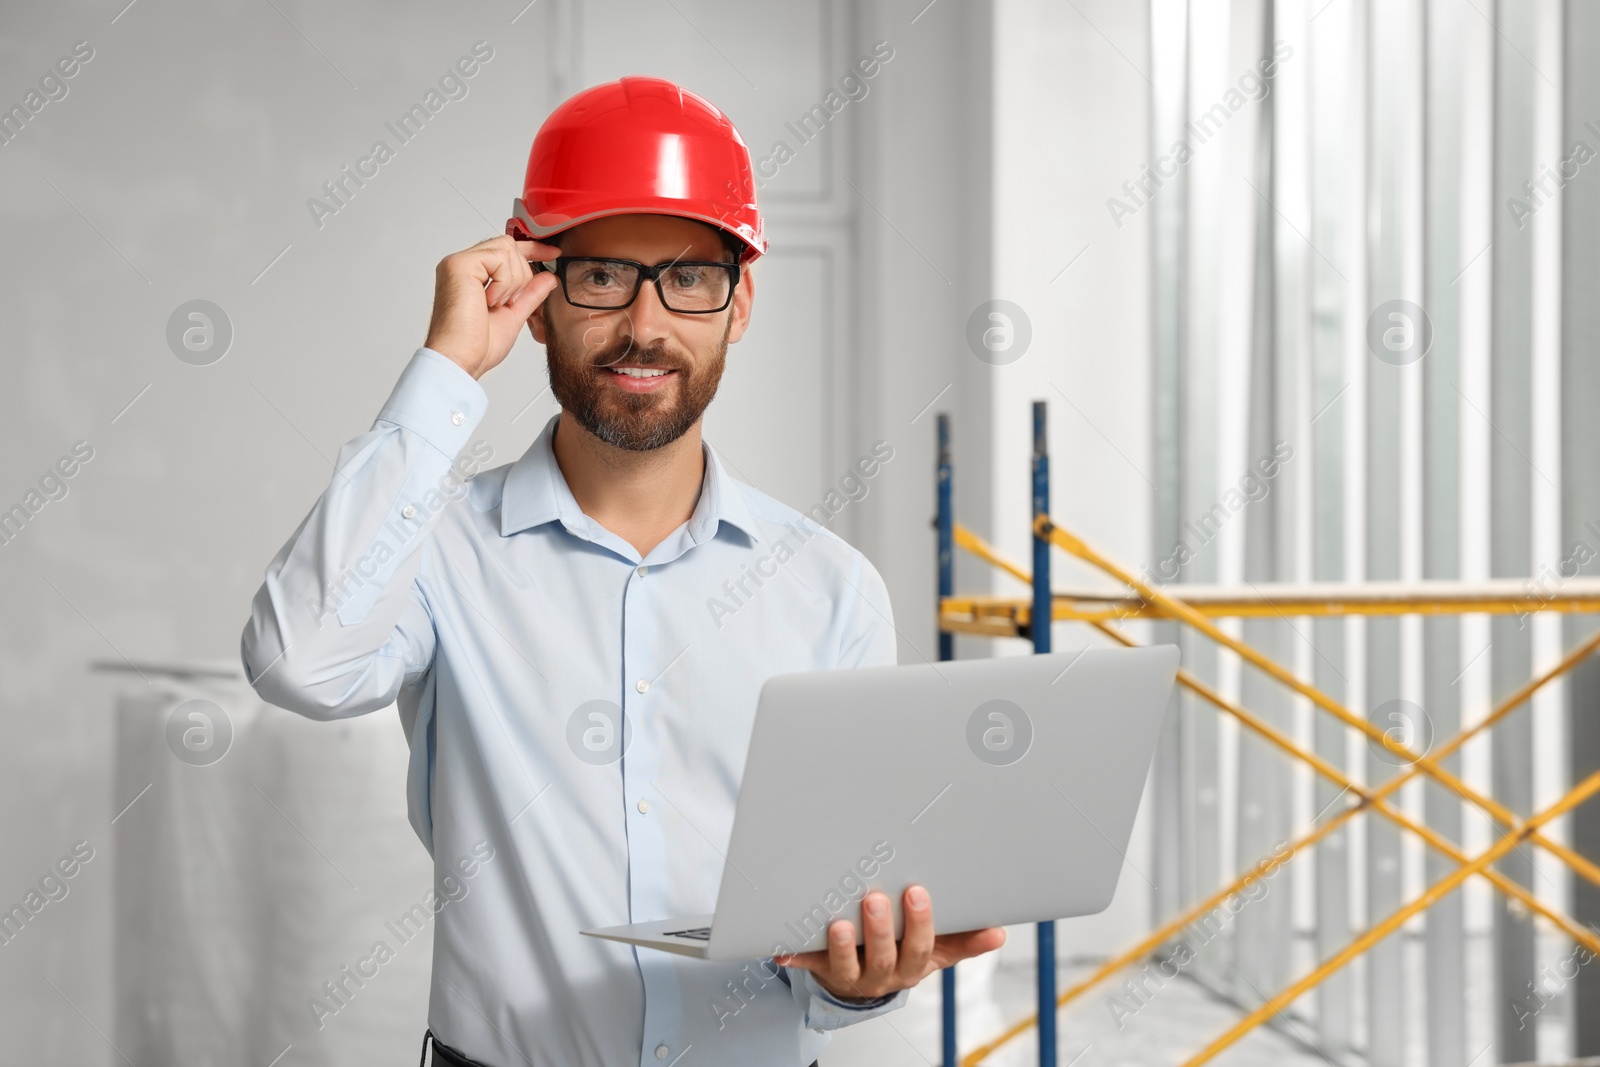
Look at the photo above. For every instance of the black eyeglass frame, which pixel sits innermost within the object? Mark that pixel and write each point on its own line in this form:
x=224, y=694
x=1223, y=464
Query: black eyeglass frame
x=558, y=267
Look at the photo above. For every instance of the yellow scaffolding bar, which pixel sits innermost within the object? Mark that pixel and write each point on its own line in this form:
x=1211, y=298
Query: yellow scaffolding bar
x=1177, y=609
x=1375, y=800
x=998, y=616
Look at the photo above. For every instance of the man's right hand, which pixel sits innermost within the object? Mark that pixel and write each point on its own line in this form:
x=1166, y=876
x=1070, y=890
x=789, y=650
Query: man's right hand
x=482, y=299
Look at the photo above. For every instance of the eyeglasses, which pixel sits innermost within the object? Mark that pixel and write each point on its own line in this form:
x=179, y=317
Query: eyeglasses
x=606, y=284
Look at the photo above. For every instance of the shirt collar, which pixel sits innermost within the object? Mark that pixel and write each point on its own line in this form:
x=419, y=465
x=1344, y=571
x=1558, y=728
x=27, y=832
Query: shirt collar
x=536, y=492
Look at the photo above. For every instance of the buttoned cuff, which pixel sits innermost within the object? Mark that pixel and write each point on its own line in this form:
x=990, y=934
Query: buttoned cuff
x=824, y=1011
x=436, y=400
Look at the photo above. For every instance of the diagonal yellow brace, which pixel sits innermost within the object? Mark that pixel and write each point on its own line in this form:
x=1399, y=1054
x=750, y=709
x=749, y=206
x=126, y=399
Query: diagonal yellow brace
x=1435, y=893
x=1369, y=799
x=966, y=539
x=1377, y=800
x=1182, y=612
x=969, y=541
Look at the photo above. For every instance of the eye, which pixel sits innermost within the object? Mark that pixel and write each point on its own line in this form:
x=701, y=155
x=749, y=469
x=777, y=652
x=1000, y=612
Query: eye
x=598, y=277
x=686, y=277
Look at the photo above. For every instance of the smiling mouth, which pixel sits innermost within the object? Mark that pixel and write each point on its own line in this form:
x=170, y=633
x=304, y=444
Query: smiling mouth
x=640, y=381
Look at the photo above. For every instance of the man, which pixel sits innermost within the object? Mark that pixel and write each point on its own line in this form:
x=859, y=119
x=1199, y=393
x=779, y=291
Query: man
x=575, y=713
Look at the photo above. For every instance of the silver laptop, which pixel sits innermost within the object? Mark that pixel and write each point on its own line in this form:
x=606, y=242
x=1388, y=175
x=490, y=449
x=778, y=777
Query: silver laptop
x=1008, y=787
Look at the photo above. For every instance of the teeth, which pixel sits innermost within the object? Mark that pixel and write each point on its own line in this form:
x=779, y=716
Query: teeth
x=639, y=372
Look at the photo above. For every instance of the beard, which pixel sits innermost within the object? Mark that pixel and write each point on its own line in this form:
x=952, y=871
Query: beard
x=637, y=422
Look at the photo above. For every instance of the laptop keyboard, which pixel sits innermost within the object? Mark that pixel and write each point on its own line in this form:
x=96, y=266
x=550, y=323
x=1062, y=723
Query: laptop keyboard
x=699, y=933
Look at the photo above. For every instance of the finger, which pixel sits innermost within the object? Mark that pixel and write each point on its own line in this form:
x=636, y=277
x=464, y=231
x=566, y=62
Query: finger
x=916, y=945
x=539, y=250
x=519, y=261
x=521, y=253
x=807, y=961
x=507, y=268
x=501, y=265
x=530, y=296
x=548, y=251
x=844, y=966
x=504, y=272
x=877, y=924
x=951, y=948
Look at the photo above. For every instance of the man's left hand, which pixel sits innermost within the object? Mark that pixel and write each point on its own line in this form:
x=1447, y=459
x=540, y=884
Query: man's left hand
x=882, y=966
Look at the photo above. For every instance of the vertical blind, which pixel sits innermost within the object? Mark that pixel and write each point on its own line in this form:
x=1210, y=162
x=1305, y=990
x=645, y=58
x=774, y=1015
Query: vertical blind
x=1373, y=252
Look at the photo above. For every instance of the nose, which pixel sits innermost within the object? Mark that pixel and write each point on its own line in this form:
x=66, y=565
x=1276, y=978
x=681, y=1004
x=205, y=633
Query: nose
x=649, y=319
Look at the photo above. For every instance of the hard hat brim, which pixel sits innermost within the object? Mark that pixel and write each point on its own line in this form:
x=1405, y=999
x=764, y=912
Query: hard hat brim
x=522, y=224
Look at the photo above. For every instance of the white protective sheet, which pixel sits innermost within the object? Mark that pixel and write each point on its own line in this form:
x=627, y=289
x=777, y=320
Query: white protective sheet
x=245, y=884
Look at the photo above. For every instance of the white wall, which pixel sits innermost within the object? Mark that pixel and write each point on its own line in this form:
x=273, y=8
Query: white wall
x=179, y=165
x=924, y=222
x=1071, y=125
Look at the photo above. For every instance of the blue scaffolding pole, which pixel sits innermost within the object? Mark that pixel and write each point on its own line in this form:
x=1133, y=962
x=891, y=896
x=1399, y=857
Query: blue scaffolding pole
x=1039, y=630
x=945, y=523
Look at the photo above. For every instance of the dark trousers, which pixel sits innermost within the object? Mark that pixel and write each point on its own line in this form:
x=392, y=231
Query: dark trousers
x=445, y=1056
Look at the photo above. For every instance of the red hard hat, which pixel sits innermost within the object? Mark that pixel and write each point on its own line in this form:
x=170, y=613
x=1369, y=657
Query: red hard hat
x=638, y=145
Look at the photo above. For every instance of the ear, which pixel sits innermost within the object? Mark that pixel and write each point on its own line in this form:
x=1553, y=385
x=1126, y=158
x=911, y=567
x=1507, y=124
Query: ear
x=744, y=295
x=536, y=324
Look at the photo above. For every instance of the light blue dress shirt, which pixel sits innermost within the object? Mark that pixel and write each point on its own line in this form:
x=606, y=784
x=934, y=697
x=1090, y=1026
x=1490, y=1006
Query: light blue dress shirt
x=576, y=713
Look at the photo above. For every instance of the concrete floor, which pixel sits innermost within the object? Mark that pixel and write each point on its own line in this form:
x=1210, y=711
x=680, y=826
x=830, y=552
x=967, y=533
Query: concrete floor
x=1178, y=1021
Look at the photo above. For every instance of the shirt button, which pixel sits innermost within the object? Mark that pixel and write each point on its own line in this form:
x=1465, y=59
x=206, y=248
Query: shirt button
x=408, y=511
x=641, y=685
x=661, y=1052
x=643, y=571
x=456, y=418
x=644, y=806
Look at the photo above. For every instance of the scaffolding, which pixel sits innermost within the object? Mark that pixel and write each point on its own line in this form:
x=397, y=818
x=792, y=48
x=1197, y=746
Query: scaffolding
x=1196, y=607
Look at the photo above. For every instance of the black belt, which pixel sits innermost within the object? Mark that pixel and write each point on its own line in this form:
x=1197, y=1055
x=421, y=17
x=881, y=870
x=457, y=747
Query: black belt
x=448, y=1057
x=444, y=1054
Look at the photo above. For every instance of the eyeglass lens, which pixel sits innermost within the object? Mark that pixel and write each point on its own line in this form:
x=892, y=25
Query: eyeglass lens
x=683, y=286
